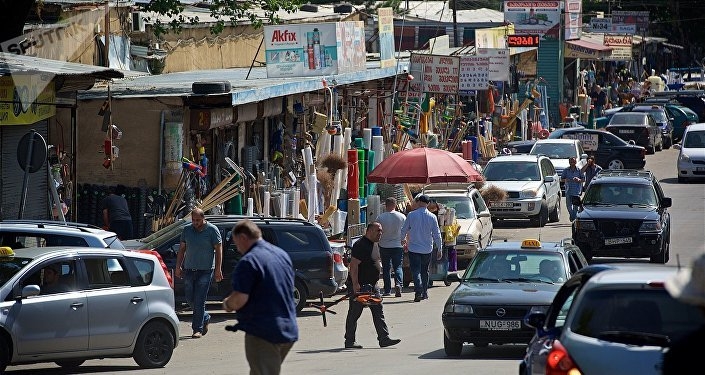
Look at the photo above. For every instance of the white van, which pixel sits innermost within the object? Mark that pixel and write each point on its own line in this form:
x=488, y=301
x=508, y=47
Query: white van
x=691, y=159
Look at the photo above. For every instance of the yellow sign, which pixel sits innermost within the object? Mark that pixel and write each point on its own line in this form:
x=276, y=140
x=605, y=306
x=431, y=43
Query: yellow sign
x=6, y=251
x=26, y=99
x=531, y=244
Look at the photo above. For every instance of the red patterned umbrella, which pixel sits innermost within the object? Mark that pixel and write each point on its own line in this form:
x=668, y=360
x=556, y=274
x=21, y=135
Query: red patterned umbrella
x=423, y=166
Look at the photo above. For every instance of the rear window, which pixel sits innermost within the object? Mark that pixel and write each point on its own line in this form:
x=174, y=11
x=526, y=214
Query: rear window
x=609, y=314
x=627, y=119
x=298, y=240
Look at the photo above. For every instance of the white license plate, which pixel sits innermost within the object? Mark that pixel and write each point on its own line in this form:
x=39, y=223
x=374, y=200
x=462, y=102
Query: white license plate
x=500, y=325
x=618, y=240
x=700, y=169
x=503, y=204
x=626, y=131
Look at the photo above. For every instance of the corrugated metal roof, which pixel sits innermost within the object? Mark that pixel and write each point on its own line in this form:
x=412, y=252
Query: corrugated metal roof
x=440, y=11
x=258, y=87
x=13, y=64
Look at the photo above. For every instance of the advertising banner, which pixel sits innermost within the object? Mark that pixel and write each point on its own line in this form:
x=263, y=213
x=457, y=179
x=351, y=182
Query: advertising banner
x=620, y=54
x=386, y=37
x=314, y=49
x=499, y=62
x=576, y=50
x=434, y=74
x=617, y=40
x=474, y=73
x=26, y=99
x=629, y=17
x=533, y=17
x=601, y=25
x=573, y=19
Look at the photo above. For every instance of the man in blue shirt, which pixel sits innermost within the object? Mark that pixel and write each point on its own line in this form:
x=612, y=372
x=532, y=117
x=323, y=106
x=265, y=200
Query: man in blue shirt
x=262, y=295
x=423, y=232
x=573, y=179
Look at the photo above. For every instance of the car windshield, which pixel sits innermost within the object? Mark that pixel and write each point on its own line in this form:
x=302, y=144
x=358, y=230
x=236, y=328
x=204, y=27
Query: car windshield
x=620, y=194
x=10, y=266
x=463, y=205
x=516, y=266
x=694, y=139
x=647, y=316
x=512, y=171
x=627, y=119
x=554, y=150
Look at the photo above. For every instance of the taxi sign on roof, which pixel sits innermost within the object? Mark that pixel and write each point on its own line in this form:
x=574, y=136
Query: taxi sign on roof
x=531, y=244
x=6, y=251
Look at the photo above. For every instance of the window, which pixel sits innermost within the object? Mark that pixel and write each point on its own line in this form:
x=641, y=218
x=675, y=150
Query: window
x=106, y=272
x=53, y=277
x=145, y=269
x=298, y=240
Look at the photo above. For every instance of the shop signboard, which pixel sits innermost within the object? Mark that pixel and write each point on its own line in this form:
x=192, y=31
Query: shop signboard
x=573, y=19
x=474, y=73
x=617, y=40
x=26, y=99
x=209, y=118
x=620, y=54
x=314, y=49
x=601, y=25
x=499, y=62
x=533, y=17
x=386, y=37
x=576, y=51
x=436, y=74
x=624, y=29
x=638, y=18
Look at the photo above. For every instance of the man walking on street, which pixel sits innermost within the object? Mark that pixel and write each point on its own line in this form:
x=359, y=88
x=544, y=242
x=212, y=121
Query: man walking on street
x=262, y=296
x=363, y=277
x=423, y=232
x=116, y=213
x=200, y=253
x=590, y=170
x=573, y=179
x=390, y=249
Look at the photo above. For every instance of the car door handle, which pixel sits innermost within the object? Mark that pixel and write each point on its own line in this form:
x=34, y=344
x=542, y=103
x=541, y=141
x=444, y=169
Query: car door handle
x=76, y=305
x=136, y=300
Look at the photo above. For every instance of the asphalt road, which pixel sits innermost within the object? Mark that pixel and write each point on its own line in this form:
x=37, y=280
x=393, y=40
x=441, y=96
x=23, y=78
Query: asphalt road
x=320, y=349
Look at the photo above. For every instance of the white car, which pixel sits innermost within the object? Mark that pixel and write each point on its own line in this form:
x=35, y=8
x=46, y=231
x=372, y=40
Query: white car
x=472, y=214
x=691, y=159
x=559, y=151
x=532, y=186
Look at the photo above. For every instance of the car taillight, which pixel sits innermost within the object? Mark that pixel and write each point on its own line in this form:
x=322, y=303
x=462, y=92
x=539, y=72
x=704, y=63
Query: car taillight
x=337, y=258
x=330, y=264
x=559, y=362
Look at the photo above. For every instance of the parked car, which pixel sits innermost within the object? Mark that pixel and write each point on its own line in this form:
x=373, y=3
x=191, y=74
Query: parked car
x=691, y=157
x=524, y=147
x=662, y=118
x=312, y=257
x=503, y=283
x=610, y=151
x=637, y=127
x=623, y=213
x=560, y=151
x=532, y=186
x=472, y=215
x=609, y=319
x=682, y=117
x=103, y=303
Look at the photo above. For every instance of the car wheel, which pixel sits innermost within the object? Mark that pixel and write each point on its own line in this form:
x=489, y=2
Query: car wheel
x=542, y=217
x=668, y=142
x=300, y=295
x=4, y=355
x=70, y=364
x=155, y=345
x=555, y=215
x=452, y=348
x=659, y=147
x=661, y=257
x=652, y=148
x=615, y=164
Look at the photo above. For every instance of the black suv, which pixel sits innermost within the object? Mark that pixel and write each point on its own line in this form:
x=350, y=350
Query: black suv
x=624, y=214
x=306, y=244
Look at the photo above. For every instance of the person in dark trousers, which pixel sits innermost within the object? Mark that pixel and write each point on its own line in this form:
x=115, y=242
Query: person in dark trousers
x=262, y=283
x=591, y=169
x=363, y=276
x=573, y=179
x=390, y=249
x=688, y=286
x=116, y=213
x=200, y=254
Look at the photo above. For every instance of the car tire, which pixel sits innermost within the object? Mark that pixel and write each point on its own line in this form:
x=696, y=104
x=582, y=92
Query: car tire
x=555, y=215
x=615, y=164
x=651, y=149
x=659, y=147
x=4, y=355
x=452, y=348
x=662, y=257
x=668, y=142
x=300, y=295
x=211, y=87
x=70, y=364
x=155, y=345
x=542, y=217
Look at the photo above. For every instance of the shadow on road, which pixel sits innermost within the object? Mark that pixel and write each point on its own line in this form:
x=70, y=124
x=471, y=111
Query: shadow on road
x=496, y=352
x=78, y=370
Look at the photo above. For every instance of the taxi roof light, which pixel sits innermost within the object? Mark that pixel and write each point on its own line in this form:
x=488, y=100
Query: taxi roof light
x=6, y=251
x=530, y=243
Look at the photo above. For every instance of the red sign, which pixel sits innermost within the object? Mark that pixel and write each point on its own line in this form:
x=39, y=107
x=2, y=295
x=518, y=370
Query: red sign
x=523, y=40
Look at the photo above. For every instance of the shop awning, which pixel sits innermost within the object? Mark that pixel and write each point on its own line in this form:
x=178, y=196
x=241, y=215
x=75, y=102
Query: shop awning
x=582, y=49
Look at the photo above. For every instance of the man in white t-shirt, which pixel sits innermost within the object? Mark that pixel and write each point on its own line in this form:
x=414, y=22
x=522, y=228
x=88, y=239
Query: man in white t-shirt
x=390, y=248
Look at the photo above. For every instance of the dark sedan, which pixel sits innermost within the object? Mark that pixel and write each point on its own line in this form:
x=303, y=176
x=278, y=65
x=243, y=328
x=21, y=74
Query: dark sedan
x=503, y=283
x=639, y=127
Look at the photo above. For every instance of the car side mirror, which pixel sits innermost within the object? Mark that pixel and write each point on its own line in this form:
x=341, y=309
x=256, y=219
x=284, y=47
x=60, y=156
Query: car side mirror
x=548, y=179
x=631, y=142
x=453, y=277
x=575, y=201
x=583, y=156
x=535, y=319
x=30, y=291
x=666, y=202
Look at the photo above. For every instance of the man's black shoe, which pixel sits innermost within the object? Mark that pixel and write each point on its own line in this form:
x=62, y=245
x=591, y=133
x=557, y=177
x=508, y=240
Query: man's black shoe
x=417, y=298
x=388, y=342
x=205, y=327
x=398, y=291
x=352, y=345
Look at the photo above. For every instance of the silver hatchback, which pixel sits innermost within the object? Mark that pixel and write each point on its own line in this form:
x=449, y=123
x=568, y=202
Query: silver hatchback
x=67, y=305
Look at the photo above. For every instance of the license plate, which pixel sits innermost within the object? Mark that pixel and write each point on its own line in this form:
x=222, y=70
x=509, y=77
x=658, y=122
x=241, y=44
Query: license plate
x=500, y=325
x=618, y=240
x=626, y=131
x=503, y=204
x=700, y=169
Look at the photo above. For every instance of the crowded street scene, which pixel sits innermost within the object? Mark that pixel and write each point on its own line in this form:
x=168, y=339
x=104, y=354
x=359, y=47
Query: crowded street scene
x=488, y=187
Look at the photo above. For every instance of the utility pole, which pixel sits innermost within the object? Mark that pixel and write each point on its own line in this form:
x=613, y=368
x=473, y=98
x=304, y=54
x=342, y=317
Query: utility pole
x=106, y=53
x=455, y=23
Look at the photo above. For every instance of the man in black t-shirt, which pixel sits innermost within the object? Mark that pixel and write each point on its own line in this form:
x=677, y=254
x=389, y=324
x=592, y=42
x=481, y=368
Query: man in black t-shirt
x=364, y=274
x=116, y=214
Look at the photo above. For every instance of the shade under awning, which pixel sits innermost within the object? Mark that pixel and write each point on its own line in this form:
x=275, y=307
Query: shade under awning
x=582, y=49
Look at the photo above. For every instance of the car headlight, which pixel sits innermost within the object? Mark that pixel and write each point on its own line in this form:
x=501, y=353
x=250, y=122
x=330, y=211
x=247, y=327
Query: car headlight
x=585, y=225
x=685, y=158
x=650, y=226
x=529, y=193
x=458, y=309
